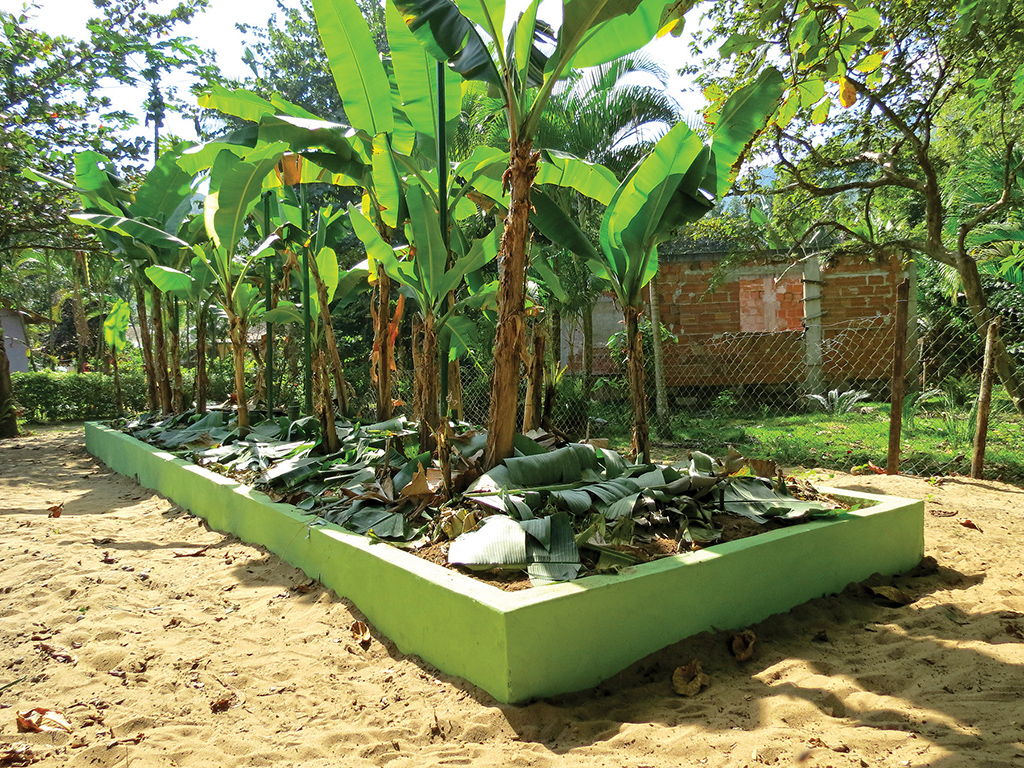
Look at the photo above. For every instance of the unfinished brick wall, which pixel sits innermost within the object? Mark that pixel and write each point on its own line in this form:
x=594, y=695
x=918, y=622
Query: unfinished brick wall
x=751, y=328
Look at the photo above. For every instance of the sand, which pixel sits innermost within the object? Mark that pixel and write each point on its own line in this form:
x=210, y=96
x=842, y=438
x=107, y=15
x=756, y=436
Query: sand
x=230, y=657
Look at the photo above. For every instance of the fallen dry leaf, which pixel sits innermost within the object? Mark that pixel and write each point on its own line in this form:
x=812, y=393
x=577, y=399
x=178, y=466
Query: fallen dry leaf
x=967, y=523
x=305, y=589
x=763, y=467
x=689, y=679
x=742, y=645
x=360, y=633
x=192, y=553
x=17, y=754
x=893, y=595
x=57, y=653
x=41, y=720
x=55, y=510
x=222, y=705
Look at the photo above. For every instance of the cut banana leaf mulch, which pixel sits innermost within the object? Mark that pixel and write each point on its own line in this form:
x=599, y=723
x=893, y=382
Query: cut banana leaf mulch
x=543, y=516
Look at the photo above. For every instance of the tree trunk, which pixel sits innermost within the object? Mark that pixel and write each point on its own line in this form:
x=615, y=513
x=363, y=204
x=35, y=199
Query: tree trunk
x=178, y=385
x=78, y=278
x=637, y=383
x=1004, y=364
x=202, y=381
x=555, y=353
x=8, y=417
x=118, y=398
x=237, y=331
x=326, y=404
x=426, y=374
x=330, y=342
x=381, y=310
x=535, y=383
x=661, y=420
x=147, y=348
x=508, y=342
x=163, y=384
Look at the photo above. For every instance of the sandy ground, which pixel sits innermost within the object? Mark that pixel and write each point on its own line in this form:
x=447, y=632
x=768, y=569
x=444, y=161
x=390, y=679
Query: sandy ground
x=230, y=658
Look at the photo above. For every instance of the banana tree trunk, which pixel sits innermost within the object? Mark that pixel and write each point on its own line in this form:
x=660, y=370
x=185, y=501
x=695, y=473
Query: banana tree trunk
x=78, y=307
x=535, y=383
x=177, y=384
x=427, y=381
x=118, y=397
x=8, y=417
x=163, y=384
x=326, y=403
x=147, y=348
x=330, y=342
x=453, y=405
x=508, y=343
x=661, y=418
x=202, y=381
x=637, y=383
x=382, y=345
x=237, y=331
x=1004, y=364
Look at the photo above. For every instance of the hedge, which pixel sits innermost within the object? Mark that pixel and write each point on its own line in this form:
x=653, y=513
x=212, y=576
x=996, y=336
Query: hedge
x=50, y=396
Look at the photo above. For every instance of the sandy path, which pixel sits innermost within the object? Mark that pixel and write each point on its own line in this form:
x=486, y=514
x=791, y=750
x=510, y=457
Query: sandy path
x=160, y=642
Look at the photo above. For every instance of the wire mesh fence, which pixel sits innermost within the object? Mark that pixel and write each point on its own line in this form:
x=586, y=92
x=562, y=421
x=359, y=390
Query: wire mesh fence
x=816, y=396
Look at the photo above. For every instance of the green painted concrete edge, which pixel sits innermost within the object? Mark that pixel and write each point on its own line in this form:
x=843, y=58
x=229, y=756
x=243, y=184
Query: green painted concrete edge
x=544, y=641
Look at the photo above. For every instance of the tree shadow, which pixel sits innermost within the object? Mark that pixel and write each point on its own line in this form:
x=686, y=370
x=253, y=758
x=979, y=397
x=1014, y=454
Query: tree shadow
x=824, y=662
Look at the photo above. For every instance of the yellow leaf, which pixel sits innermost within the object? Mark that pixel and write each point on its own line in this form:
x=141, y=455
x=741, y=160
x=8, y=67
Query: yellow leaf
x=669, y=28
x=847, y=93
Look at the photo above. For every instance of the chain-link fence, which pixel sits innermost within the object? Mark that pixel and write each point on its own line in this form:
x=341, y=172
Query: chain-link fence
x=818, y=396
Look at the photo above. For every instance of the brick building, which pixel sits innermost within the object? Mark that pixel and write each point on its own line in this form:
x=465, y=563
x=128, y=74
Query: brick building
x=769, y=324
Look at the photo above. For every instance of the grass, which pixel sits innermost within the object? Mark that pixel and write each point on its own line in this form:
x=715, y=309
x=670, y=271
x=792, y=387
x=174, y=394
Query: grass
x=938, y=440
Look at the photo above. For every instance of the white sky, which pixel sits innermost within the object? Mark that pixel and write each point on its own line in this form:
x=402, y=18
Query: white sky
x=215, y=30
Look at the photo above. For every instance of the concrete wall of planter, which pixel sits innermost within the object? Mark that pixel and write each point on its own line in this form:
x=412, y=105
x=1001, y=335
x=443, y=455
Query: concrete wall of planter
x=549, y=640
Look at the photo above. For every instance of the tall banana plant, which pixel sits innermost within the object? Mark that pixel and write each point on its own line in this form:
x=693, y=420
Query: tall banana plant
x=469, y=37
x=235, y=187
x=676, y=184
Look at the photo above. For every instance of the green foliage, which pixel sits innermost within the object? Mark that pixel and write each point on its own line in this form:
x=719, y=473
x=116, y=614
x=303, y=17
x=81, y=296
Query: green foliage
x=45, y=396
x=50, y=396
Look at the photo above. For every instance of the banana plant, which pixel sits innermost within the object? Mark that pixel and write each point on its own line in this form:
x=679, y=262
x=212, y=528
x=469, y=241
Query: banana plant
x=141, y=230
x=675, y=184
x=115, y=333
x=235, y=187
x=524, y=69
x=421, y=267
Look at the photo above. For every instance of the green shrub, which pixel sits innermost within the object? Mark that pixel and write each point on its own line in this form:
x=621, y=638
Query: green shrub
x=52, y=396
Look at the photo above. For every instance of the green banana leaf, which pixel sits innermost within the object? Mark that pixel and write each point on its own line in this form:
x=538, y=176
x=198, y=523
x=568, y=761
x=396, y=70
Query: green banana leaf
x=449, y=36
x=742, y=119
x=235, y=186
x=137, y=230
x=115, y=327
x=355, y=65
x=417, y=79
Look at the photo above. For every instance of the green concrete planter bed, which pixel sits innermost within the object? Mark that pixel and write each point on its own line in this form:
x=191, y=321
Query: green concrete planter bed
x=553, y=639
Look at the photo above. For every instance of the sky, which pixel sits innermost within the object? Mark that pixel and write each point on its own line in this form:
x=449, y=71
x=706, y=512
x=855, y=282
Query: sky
x=215, y=30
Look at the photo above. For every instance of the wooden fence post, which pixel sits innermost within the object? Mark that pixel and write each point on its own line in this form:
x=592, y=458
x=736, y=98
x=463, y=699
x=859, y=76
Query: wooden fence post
x=984, y=402
x=899, y=355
